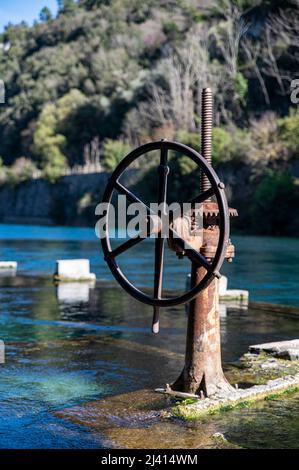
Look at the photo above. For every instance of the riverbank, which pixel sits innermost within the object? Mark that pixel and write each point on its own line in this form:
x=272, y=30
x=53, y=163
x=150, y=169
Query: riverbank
x=71, y=201
x=263, y=206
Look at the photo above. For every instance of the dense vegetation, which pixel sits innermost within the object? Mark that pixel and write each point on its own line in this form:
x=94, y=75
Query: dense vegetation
x=107, y=75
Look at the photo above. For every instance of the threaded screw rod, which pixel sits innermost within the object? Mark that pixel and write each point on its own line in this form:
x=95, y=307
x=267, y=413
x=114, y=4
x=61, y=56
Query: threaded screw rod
x=206, y=131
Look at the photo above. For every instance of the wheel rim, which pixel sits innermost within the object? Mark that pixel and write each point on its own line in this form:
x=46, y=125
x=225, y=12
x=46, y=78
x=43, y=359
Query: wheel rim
x=218, y=191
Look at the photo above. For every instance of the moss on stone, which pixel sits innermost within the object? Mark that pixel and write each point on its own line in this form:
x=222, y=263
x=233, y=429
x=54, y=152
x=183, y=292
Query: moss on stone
x=190, y=412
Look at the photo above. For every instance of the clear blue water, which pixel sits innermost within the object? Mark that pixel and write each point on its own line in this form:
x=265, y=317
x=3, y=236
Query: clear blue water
x=267, y=267
x=72, y=344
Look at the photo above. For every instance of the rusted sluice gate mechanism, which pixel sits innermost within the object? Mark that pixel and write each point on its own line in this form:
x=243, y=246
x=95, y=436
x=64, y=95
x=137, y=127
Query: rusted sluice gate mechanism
x=206, y=247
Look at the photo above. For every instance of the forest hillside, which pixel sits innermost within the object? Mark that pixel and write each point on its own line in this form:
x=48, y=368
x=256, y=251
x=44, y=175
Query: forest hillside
x=103, y=76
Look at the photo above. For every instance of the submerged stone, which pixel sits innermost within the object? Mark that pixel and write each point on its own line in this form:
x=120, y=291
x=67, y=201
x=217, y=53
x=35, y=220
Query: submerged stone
x=141, y=420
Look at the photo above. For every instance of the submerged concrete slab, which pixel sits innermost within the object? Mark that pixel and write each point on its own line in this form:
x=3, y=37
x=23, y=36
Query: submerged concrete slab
x=235, y=294
x=73, y=270
x=231, y=294
x=140, y=420
x=282, y=349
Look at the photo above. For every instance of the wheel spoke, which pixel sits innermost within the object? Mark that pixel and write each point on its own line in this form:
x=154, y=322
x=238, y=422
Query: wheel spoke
x=192, y=254
x=125, y=191
x=158, y=280
x=202, y=197
x=125, y=246
x=160, y=240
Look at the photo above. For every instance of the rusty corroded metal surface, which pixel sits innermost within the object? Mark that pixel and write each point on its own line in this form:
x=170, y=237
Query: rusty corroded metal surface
x=211, y=209
x=206, y=131
x=202, y=373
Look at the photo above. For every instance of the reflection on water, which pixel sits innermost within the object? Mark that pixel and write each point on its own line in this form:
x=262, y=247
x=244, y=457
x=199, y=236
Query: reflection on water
x=259, y=265
x=73, y=292
x=61, y=355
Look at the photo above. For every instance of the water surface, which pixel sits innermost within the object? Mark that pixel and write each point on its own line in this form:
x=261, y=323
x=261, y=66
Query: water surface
x=267, y=267
x=74, y=344
x=68, y=347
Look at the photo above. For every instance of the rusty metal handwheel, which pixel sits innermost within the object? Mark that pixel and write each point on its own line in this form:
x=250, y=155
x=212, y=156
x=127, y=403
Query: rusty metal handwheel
x=216, y=189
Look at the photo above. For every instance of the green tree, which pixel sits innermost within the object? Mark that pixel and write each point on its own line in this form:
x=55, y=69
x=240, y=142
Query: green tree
x=289, y=134
x=67, y=6
x=45, y=15
x=113, y=152
x=49, y=141
x=49, y=145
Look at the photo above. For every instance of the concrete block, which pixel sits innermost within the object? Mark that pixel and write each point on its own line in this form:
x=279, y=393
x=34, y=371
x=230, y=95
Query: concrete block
x=231, y=294
x=282, y=349
x=68, y=270
x=8, y=268
x=233, y=298
x=8, y=265
x=222, y=285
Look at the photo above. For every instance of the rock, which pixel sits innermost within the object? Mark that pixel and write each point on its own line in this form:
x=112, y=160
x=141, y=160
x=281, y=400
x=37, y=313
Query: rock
x=282, y=349
x=269, y=365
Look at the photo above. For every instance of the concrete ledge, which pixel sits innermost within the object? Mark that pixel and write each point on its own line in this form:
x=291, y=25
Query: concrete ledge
x=69, y=270
x=240, y=398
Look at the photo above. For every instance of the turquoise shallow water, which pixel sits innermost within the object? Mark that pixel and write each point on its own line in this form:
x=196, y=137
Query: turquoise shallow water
x=62, y=352
x=73, y=344
x=267, y=267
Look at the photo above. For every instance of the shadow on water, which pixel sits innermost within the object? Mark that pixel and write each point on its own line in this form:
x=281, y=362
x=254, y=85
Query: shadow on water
x=78, y=359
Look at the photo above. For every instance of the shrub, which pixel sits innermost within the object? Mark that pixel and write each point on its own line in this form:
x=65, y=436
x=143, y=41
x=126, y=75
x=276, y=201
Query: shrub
x=23, y=169
x=265, y=143
x=192, y=139
x=222, y=145
x=289, y=134
x=113, y=152
x=227, y=144
x=241, y=86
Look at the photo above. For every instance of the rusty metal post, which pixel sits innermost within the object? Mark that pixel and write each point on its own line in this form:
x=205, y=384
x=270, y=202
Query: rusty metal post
x=202, y=373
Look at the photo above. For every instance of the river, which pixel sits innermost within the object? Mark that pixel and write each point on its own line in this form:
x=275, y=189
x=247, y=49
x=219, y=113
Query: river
x=74, y=348
x=267, y=266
